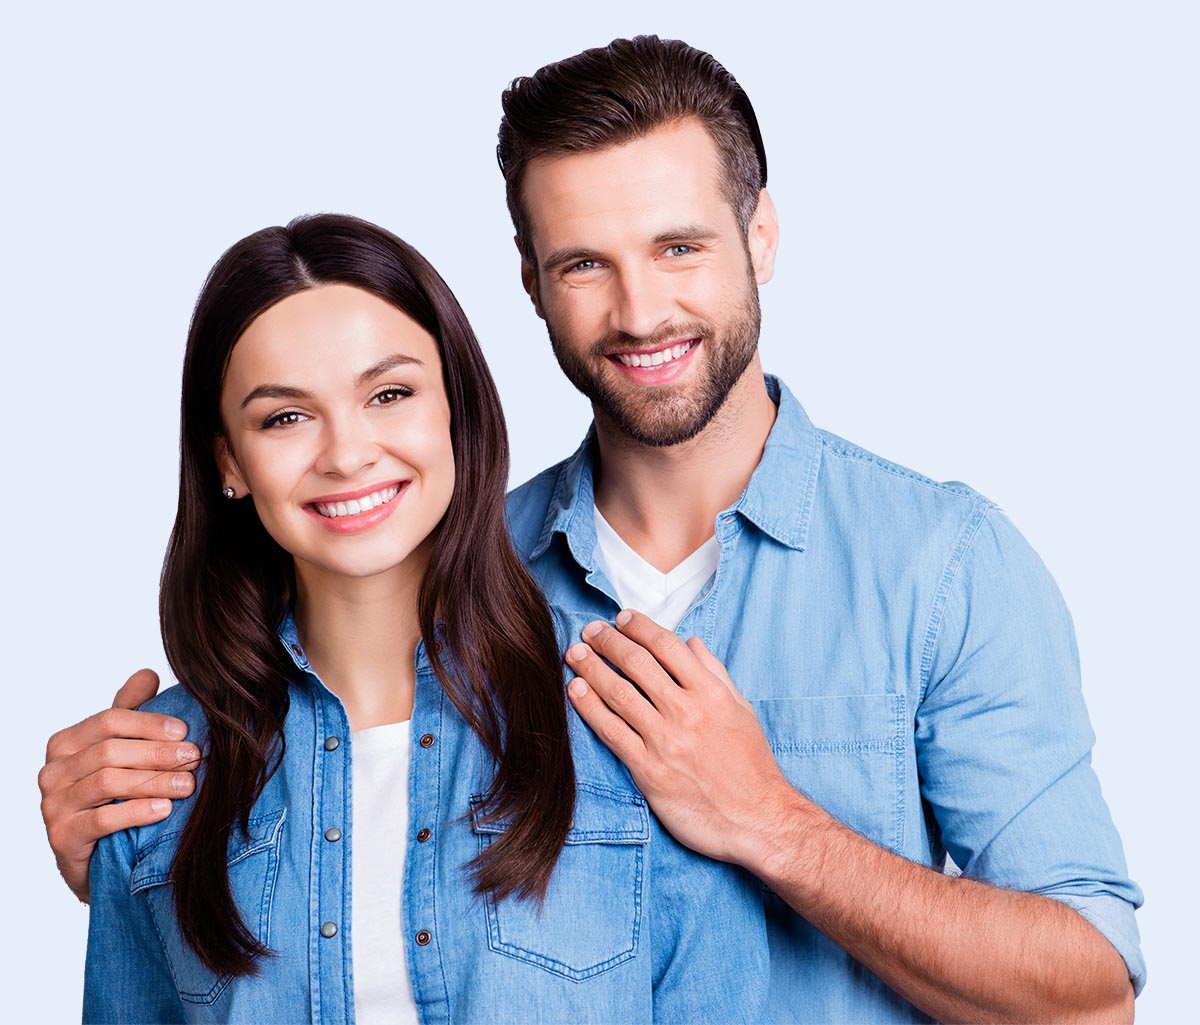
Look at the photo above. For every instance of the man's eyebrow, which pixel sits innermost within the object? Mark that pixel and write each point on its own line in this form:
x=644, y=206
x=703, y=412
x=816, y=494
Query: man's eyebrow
x=566, y=254
x=687, y=233
x=284, y=391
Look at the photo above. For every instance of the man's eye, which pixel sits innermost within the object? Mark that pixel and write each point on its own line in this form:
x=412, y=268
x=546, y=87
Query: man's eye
x=683, y=249
x=284, y=419
x=390, y=395
x=583, y=265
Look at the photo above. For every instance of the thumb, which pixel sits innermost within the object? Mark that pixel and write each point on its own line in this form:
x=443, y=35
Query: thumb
x=137, y=690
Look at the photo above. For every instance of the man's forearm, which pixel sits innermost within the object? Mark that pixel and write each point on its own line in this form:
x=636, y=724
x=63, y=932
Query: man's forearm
x=961, y=950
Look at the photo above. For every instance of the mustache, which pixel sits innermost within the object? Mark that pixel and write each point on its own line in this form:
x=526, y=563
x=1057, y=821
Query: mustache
x=619, y=341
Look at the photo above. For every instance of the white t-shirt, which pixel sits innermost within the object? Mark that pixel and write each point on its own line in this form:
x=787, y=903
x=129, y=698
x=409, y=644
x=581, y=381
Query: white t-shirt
x=664, y=597
x=379, y=782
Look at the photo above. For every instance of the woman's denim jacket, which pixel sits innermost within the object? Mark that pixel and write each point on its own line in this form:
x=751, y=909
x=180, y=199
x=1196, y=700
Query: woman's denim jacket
x=635, y=928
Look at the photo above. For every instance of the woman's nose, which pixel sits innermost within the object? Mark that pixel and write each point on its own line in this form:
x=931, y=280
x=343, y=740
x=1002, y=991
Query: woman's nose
x=348, y=448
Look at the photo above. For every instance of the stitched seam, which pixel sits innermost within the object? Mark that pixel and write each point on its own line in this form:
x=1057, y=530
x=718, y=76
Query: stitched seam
x=941, y=595
x=887, y=745
x=901, y=771
x=862, y=456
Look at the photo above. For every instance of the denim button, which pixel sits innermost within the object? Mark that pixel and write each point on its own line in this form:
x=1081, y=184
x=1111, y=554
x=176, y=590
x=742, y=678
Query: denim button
x=296, y=649
x=423, y=835
x=331, y=743
x=427, y=740
x=423, y=938
x=329, y=930
x=333, y=834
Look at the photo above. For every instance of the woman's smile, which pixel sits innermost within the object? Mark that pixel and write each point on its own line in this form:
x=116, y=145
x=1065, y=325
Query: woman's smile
x=354, y=511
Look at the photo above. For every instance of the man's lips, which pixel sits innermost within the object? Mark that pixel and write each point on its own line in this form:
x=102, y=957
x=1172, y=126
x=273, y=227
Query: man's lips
x=655, y=357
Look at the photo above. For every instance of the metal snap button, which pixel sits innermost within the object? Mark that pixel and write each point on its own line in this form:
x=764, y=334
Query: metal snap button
x=332, y=743
x=329, y=930
x=423, y=938
x=333, y=834
x=423, y=835
x=427, y=740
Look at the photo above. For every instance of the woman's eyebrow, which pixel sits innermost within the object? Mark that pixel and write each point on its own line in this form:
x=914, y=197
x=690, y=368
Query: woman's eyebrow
x=397, y=359
x=285, y=391
x=275, y=391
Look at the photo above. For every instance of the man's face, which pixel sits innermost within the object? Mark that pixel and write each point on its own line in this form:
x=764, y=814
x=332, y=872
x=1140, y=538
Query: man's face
x=645, y=280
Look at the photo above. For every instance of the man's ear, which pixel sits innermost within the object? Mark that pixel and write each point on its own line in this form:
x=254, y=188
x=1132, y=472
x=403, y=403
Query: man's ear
x=529, y=280
x=762, y=238
x=227, y=466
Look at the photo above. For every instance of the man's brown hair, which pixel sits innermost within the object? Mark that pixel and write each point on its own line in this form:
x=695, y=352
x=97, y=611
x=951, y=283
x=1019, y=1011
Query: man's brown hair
x=613, y=94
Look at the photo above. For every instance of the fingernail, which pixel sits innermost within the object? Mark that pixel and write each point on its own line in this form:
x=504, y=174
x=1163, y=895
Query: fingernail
x=592, y=628
x=160, y=805
x=186, y=753
x=577, y=652
x=175, y=728
x=181, y=781
x=577, y=688
x=623, y=617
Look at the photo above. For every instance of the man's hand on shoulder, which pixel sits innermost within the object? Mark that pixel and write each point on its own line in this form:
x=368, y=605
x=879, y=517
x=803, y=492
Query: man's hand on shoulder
x=690, y=740
x=138, y=758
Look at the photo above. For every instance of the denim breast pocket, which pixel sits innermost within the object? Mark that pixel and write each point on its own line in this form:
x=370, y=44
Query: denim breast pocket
x=253, y=861
x=592, y=916
x=846, y=752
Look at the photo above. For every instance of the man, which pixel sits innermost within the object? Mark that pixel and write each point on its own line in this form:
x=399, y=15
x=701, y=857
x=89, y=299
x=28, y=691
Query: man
x=878, y=670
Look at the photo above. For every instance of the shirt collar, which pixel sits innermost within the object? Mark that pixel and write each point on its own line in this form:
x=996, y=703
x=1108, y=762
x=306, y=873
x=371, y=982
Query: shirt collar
x=778, y=499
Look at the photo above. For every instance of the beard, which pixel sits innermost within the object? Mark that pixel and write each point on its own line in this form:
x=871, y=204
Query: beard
x=669, y=414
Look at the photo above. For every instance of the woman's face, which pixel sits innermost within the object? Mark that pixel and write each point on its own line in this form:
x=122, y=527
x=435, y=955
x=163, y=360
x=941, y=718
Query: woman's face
x=338, y=427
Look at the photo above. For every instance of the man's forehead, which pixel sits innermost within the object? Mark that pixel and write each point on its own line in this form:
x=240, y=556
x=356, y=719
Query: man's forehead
x=644, y=186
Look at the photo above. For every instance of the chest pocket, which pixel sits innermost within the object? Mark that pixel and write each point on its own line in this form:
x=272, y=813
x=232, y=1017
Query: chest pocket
x=846, y=752
x=592, y=915
x=253, y=861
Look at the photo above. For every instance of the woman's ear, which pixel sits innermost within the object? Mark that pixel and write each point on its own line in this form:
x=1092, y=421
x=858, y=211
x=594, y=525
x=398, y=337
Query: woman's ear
x=231, y=474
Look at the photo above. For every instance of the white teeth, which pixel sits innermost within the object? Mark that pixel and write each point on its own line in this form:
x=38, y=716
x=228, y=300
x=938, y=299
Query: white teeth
x=358, y=505
x=654, y=359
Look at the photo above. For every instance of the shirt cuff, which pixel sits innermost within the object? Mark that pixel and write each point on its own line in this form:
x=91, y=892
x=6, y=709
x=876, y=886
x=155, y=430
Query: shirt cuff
x=1113, y=918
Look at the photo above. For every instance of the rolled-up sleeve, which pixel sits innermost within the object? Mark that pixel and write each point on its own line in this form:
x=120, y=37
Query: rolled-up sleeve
x=1004, y=742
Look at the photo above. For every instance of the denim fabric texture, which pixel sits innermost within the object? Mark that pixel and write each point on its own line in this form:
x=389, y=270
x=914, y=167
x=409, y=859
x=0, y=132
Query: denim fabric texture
x=634, y=927
x=913, y=665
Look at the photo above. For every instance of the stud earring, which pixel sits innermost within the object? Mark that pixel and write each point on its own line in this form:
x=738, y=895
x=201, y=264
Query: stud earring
x=228, y=492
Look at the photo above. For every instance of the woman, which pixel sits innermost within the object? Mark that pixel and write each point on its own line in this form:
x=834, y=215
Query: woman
x=338, y=579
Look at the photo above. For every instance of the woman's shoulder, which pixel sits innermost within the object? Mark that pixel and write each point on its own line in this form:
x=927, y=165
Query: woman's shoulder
x=175, y=701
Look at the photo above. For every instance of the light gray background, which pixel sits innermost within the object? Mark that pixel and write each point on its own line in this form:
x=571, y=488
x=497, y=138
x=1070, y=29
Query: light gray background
x=988, y=272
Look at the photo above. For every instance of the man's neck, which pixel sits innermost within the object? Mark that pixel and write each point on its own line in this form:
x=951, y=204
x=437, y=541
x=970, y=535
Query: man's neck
x=664, y=501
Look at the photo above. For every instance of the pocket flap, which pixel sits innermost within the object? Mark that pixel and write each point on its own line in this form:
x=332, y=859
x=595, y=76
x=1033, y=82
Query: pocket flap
x=153, y=865
x=602, y=815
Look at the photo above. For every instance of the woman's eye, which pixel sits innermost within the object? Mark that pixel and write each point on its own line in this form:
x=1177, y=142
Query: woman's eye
x=390, y=395
x=285, y=419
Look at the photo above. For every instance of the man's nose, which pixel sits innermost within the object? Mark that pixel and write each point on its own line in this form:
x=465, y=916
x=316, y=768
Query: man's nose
x=349, y=447
x=642, y=302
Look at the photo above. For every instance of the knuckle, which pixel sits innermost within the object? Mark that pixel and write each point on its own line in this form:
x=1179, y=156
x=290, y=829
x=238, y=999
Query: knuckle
x=109, y=720
x=639, y=661
x=46, y=776
x=611, y=733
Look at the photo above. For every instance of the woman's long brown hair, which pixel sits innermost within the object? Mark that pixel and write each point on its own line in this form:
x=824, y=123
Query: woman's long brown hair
x=226, y=584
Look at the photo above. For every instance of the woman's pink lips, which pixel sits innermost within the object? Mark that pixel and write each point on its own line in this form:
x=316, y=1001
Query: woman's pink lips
x=660, y=374
x=359, y=521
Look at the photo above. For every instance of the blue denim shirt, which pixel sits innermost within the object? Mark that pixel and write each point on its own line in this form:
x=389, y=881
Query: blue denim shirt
x=914, y=668
x=634, y=927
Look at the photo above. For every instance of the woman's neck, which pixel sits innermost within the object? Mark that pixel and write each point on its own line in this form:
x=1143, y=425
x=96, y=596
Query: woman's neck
x=360, y=636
